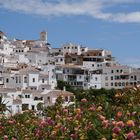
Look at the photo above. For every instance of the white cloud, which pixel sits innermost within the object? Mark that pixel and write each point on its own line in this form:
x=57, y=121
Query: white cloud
x=93, y=8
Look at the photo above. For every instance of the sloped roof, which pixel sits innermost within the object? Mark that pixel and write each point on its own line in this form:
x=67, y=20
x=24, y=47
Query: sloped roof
x=28, y=69
x=59, y=93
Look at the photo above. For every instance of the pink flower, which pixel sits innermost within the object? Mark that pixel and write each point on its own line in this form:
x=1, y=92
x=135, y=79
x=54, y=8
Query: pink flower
x=50, y=121
x=134, y=113
x=5, y=137
x=105, y=123
x=92, y=108
x=102, y=117
x=116, y=130
x=120, y=124
x=65, y=110
x=37, y=132
x=84, y=100
x=42, y=123
x=130, y=136
x=73, y=136
x=12, y=121
x=119, y=114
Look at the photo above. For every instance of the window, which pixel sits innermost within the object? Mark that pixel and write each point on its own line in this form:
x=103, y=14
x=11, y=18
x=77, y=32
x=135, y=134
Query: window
x=33, y=107
x=111, y=84
x=112, y=71
x=111, y=78
x=7, y=80
x=96, y=78
x=117, y=70
x=61, y=59
x=106, y=78
x=66, y=99
x=73, y=59
x=123, y=84
x=48, y=97
x=27, y=96
x=106, y=84
x=33, y=80
x=92, y=65
x=19, y=79
x=43, y=80
x=16, y=79
x=25, y=79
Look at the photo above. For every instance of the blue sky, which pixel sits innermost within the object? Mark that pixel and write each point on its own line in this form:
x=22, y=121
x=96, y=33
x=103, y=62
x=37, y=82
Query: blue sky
x=109, y=24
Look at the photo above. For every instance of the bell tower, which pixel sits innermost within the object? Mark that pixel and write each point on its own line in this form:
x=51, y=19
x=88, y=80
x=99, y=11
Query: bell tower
x=43, y=36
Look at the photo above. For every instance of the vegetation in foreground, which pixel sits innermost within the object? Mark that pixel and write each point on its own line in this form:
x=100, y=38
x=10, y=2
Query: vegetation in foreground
x=104, y=115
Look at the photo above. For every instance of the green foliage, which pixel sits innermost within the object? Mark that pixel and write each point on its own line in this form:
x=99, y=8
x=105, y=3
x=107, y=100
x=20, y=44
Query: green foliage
x=98, y=114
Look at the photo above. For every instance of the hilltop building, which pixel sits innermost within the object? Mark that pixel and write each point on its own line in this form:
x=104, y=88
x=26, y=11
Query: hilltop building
x=30, y=68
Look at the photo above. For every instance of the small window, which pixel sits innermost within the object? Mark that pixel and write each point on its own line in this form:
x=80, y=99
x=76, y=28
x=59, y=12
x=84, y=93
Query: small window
x=96, y=78
x=117, y=70
x=33, y=107
x=33, y=80
x=112, y=71
x=106, y=78
x=61, y=59
x=16, y=79
x=111, y=84
x=7, y=80
x=111, y=77
x=25, y=79
x=43, y=80
x=27, y=96
x=73, y=59
x=66, y=99
x=106, y=84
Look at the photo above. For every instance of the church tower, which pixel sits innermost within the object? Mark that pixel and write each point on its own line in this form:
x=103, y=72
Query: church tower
x=43, y=36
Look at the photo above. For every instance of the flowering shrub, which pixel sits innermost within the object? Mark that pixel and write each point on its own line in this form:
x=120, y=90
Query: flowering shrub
x=87, y=120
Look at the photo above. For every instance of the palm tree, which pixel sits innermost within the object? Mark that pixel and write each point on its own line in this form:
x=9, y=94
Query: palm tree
x=3, y=106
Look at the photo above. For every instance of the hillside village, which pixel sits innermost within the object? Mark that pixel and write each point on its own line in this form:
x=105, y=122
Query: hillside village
x=30, y=69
